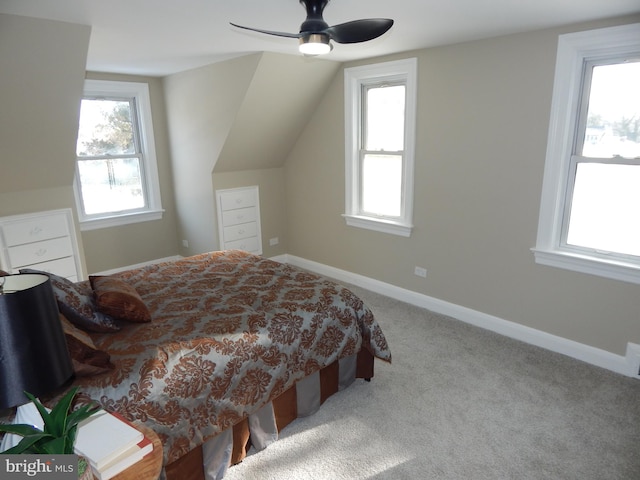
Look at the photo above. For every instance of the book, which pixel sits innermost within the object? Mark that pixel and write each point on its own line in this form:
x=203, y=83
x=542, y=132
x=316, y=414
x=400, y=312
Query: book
x=124, y=460
x=105, y=436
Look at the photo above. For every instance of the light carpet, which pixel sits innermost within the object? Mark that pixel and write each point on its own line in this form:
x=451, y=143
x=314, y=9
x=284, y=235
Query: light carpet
x=459, y=402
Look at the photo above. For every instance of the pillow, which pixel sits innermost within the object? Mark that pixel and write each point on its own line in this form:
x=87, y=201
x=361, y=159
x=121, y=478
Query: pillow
x=77, y=306
x=86, y=358
x=119, y=299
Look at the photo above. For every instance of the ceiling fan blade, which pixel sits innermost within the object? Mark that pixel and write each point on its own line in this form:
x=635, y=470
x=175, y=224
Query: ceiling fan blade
x=359, y=30
x=269, y=32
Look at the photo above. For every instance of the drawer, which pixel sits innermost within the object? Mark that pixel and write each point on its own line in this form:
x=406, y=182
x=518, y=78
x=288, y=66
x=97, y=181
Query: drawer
x=65, y=267
x=237, y=232
x=35, y=229
x=240, y=215
x=239, y=199
x=247, y=244
x=39, y=252
x=238, y=212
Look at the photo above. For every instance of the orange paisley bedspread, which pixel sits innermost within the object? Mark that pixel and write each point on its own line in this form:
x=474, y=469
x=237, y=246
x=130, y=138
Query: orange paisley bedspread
x=230, y=331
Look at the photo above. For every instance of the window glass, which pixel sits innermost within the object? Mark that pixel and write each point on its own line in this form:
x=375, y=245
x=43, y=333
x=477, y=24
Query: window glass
x=106, y=127
x=382, y=185
x=613, y=119
x=108, y=184
x=605, y=211
x=385, y=118
x=111, y=185
x=604, y=200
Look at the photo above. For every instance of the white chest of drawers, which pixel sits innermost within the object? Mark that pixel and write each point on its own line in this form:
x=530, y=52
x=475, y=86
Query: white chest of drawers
x=42, y=241
x=239, y=219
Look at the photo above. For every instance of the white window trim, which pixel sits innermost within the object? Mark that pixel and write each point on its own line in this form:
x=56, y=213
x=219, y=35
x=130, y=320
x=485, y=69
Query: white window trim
x=354, y=78
x=573, y=50
x=154, y=211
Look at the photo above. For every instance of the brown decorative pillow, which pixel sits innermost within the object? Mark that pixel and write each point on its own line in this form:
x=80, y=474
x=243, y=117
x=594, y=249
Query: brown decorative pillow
x=118, y=299
x=86, y=358
x=76, y=305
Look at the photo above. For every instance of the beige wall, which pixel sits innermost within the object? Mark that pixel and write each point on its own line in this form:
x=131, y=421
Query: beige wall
x=41, y=74
x=483, y=115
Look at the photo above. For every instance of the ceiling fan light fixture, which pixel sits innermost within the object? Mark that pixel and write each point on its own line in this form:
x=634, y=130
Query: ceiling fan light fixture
x=314, y=44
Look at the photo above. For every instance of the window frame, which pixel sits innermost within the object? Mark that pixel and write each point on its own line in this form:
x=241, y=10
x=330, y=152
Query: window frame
x=355, y=78
x=139, y=93
x=574, y=51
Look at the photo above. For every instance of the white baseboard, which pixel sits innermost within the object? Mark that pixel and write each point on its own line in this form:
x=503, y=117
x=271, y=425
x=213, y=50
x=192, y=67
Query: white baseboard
x=627, y=365
x=633, y=359
x=139, y=265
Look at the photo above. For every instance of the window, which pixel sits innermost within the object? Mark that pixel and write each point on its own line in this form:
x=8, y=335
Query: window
x=116, y=179
x=590, y=207
x=380, y=103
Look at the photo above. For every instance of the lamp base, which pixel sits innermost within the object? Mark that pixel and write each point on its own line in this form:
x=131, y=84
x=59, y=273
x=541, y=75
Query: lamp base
x=26, y=414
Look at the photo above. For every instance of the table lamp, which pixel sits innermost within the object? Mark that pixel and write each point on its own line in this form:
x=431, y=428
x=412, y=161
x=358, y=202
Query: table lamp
x=33, y=350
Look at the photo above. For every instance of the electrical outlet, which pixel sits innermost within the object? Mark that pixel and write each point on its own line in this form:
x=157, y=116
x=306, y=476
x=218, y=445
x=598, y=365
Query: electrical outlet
x=185, y=243
x=420, y=272
x=274, y=241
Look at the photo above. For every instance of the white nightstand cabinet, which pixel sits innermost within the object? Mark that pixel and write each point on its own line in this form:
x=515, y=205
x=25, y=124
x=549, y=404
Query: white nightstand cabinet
x=42, y=241
x=239, y=219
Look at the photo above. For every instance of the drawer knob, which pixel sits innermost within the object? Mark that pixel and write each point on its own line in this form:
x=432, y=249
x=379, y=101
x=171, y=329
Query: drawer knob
x=240, y=217
x=241, y=231
x=35, y=231
x=40, y=252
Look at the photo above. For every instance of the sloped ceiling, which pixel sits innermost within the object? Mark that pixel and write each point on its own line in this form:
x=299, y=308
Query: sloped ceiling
x=283, y=93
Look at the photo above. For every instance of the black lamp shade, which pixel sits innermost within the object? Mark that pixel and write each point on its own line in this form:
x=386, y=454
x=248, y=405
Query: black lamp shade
x=33, y=350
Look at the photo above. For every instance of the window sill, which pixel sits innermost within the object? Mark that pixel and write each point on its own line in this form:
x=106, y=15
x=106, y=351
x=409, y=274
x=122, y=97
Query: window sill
x=615, y=270
x=118, y=220
x=379, y=225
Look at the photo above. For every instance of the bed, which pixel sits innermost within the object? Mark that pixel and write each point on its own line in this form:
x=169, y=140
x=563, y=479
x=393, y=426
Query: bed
x=229, y=348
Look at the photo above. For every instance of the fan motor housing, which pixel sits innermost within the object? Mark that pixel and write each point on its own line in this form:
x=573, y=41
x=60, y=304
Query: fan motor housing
x=314, y=21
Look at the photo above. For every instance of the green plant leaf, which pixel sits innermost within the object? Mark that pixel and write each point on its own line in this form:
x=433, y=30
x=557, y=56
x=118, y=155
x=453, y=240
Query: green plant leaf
x=71, y=436
x=59, y=413
x=20, y=429
x=28, y=444
x=56, y=446
x=78, y=415
x=60, y=427
x=43, y=411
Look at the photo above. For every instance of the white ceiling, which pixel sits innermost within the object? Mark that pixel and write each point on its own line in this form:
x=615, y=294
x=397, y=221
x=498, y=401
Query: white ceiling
x=160, y=37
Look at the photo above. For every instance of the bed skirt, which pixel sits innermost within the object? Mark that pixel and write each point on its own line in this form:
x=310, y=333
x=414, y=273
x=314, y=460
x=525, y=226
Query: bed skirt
x=259, y=430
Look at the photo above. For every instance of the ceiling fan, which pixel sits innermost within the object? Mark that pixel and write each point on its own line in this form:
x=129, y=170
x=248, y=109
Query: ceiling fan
x=315, y=34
